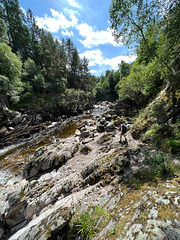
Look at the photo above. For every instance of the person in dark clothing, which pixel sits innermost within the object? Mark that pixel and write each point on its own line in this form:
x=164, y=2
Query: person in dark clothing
x=123, y=130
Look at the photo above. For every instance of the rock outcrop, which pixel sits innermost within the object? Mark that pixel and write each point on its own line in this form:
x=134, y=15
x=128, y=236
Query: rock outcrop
x=89, y=168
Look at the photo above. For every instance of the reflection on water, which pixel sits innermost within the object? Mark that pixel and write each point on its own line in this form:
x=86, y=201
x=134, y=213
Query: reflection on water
x=67, y=131
x=9, y=149
x=13, y=158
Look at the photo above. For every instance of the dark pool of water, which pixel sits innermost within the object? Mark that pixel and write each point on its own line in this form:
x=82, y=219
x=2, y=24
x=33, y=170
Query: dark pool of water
x=13, y=158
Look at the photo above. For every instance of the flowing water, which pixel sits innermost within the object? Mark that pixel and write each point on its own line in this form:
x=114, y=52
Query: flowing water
x=13, y=158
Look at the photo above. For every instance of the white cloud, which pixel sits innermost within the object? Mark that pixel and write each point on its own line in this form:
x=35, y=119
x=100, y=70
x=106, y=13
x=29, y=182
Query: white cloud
x=57, y=21
x=73, y=3
x=95, y=58
x=67, y=33
x=69, y=11
x=94, y=38
x=113, y=62
x=95, y=72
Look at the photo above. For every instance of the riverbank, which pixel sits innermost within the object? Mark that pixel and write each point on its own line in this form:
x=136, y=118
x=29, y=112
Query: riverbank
x=85, y=169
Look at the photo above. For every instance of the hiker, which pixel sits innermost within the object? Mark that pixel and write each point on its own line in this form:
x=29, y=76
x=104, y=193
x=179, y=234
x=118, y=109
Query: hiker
x=123, y=130
x=53, y=140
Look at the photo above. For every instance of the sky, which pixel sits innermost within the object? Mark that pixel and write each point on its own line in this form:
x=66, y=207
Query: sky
x=86, y=23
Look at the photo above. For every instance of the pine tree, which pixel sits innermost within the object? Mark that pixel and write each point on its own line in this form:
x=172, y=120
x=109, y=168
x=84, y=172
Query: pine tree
x=17, y=31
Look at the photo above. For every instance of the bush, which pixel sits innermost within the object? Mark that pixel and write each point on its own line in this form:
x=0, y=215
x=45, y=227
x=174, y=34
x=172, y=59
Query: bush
x=174, y=145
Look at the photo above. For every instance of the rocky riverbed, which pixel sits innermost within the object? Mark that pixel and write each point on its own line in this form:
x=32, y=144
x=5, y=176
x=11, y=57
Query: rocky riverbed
x=87, y=167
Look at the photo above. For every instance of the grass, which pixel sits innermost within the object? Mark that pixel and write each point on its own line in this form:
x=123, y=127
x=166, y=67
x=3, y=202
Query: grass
x=87, y=224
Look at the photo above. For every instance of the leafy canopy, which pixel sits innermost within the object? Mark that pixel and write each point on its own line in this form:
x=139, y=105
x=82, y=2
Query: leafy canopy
x=130, y=19
x=10, y=72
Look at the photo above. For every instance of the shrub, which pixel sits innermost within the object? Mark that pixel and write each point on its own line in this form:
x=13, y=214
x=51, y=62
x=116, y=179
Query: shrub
x=174, y=145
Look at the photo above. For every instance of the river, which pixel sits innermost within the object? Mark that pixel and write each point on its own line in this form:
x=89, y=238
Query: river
x=13, y=157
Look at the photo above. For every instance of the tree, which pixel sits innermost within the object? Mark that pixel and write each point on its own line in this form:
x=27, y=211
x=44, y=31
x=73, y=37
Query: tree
x=10, y=72
x=141, y=84
x=102, y=88
x=86, y=83
x=62, y=56
x=32, y=77
x=132, y=20
x=74, y=71
x=112, y=84
x=169, y=40
x=124, y=69
x=17, y=31
x=34, y=33
x=3, y=32
x=69, y=52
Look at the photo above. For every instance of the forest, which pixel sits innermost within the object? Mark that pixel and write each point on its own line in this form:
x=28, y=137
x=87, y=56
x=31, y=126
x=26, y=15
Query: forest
x=36, y=68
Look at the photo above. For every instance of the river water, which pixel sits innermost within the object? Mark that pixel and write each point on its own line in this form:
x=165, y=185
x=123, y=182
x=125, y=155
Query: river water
x=13, y=158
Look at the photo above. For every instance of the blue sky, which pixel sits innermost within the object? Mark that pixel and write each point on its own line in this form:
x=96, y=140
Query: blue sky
x=86, y=23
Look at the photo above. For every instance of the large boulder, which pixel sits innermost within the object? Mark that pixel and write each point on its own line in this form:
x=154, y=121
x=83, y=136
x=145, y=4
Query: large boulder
x=48, y=158
x=110, y=127
x=44, y=226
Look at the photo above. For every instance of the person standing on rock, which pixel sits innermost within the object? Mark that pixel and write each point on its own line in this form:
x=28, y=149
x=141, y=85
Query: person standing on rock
x=123, y=130
x=53, y=140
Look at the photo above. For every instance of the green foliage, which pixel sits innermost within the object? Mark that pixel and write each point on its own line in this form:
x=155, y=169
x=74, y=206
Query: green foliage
x=152, y=29
x=132, y=86
x=26, y=97
x=3, y=32
x=154, y=124
x=113, y=231
x=10, y=65
x=146, y=54
x=142, y=83
x=17, y=30
x=10, y=72
x=106, y=86
x=60, y=85
x=160, y=169
x=52, y=66
x=89, y=223
x=130, y=19
x=49, y=65
x=32, y=74
x=102, y=89
x=174, y=145
x=169, y=40
x=151, y=134
x=124, y=69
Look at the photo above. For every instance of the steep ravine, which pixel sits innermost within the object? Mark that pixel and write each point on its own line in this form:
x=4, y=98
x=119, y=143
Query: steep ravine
x=90, y=168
